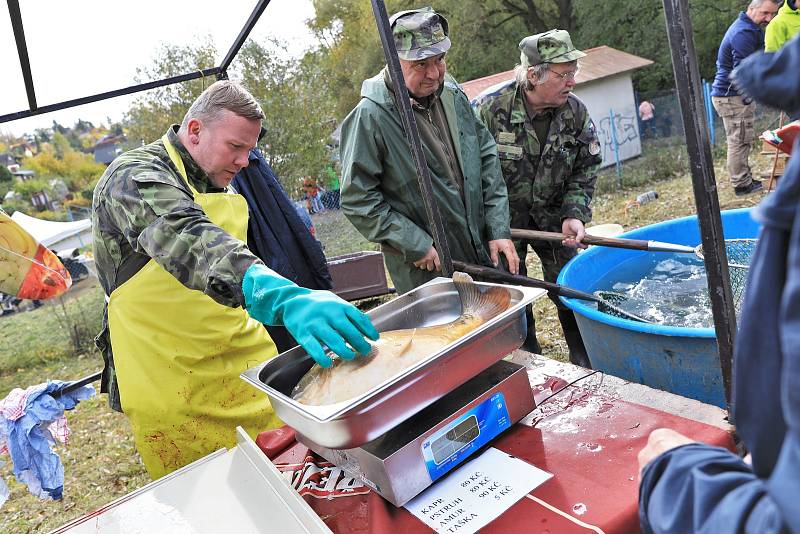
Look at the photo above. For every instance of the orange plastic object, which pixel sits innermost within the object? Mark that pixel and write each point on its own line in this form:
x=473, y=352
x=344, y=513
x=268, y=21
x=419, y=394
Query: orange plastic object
x=28, y=270
x=787, y=135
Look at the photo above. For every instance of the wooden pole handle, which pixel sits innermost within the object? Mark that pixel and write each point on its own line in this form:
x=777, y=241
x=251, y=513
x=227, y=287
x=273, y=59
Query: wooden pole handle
x=617, y=242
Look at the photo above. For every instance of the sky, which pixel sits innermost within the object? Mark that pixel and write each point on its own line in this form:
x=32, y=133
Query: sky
x=83, y=48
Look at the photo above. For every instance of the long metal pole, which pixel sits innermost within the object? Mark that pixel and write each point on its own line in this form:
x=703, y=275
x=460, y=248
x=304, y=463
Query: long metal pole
x=687, y=78
x=110, y=94
x=22, y=51
x=243, y=34
x=412, y=134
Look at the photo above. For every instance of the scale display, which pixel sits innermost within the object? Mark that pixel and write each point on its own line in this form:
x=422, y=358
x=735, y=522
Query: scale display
x=447, y=447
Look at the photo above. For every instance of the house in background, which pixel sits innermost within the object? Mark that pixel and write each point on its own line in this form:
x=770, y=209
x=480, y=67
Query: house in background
x=107, y=148
x=9, y=161
x=604, y=85
x=40, y=200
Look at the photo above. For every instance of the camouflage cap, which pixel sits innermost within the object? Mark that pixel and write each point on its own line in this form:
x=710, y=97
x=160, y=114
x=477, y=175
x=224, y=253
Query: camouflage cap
x=554, y=46
x=419, y=33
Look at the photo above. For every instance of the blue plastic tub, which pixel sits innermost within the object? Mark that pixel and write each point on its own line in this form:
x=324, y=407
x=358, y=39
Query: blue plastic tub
x=676, y=359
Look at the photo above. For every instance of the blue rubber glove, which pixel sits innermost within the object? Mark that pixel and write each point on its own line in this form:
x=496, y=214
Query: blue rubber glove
x=314, y=318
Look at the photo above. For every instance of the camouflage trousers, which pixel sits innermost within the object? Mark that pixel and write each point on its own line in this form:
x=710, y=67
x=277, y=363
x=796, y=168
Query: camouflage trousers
x=553, y=258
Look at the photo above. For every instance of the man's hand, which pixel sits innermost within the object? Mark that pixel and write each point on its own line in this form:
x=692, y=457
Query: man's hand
x=576, y=232
x=506, y=246
x=660, y=441
x=315, y=318
x=429, y=261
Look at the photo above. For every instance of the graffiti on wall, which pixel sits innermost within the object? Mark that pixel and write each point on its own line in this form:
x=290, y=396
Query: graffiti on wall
x=627, y=131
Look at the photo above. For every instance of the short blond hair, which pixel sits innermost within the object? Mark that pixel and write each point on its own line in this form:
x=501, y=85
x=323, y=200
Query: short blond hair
x=223, y=95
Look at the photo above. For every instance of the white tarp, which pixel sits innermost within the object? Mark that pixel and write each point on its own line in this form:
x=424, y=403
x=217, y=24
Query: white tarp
x=54, y=235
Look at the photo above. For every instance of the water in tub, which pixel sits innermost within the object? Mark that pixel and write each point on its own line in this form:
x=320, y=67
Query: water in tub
x=668, y=289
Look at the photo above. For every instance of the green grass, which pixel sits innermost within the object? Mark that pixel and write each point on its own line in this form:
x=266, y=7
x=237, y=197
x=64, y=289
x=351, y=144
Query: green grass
x=100, y=461
x=337, y=235
x=55, y=331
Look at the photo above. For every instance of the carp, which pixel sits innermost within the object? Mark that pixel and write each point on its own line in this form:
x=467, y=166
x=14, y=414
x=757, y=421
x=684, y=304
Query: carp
x=397, y=350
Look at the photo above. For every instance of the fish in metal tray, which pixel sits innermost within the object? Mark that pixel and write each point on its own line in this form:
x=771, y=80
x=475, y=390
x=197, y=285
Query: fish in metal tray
x=397, y=350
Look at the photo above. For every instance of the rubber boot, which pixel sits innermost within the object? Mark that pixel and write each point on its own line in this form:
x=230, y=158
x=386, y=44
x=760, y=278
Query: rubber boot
x=577, y=350
x=531, y=343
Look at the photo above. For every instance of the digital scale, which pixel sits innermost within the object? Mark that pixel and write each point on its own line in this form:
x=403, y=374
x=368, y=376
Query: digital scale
x=404, y=461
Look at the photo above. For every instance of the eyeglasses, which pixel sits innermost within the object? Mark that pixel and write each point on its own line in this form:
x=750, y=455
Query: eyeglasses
x=564, y=76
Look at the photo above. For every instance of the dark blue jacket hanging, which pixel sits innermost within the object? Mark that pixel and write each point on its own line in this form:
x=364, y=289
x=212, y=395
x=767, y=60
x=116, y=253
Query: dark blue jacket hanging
x=278, y=235
x=698, y=488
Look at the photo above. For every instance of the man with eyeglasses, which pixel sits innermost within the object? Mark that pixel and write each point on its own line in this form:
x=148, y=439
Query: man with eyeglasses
x=380, y=194
x=549, y=153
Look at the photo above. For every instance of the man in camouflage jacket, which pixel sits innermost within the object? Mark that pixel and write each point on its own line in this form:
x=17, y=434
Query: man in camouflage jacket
x=380, y=192
x=185, y=295
x=548, y=152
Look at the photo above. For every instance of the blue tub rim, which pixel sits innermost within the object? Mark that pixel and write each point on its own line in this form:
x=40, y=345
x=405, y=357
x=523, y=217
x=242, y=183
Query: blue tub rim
x=578, y=306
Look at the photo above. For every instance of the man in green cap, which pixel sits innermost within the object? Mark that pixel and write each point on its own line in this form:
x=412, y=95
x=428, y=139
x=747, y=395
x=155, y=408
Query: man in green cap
x=549, y=153
x=380, y=193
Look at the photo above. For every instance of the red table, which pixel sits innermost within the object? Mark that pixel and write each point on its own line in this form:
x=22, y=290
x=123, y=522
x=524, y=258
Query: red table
x=587, y=436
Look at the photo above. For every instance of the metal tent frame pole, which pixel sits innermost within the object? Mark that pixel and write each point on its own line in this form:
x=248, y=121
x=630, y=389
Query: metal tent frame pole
x=412, y=134
x=22, y=50
x=688, y=82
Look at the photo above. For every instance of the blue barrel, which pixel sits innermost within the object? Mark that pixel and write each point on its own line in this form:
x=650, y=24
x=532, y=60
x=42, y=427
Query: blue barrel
x=681, y=360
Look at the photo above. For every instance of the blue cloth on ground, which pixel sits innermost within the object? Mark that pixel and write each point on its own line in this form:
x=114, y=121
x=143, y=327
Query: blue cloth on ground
x=29, y=440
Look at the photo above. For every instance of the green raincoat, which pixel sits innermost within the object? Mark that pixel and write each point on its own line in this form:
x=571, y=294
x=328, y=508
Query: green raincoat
x=381, y=195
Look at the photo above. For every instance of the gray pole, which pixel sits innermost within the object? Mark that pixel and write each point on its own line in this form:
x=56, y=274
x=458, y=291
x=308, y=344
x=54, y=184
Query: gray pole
x=687, y=79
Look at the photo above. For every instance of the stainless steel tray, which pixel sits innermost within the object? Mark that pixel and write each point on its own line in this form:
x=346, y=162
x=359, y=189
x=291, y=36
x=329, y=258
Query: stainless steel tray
x=359, y=420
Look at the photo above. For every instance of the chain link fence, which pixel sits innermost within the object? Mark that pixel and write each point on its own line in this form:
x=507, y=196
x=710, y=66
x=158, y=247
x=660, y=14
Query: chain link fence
x=667, y=122
x=660, y=137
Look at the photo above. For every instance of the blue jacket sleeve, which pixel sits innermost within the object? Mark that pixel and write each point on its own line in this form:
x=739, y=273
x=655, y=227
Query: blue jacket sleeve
x=743, y=44
x=704, y=489
x=698, y=488
x=773, y=78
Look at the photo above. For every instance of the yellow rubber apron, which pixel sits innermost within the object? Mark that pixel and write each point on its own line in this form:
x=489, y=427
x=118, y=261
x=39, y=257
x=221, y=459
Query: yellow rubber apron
x=178, y=355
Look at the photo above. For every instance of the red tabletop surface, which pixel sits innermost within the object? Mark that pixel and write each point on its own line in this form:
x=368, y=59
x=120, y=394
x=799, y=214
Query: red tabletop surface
x=588, y=440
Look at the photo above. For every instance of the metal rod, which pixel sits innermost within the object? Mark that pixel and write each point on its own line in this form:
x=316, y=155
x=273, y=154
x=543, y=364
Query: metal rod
x=687, y=78
x=110, y=94
x=243, y=34
x=412, y=133
x=22, y=51
x=220, y=72
x=82, y=382
x=489, y=273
